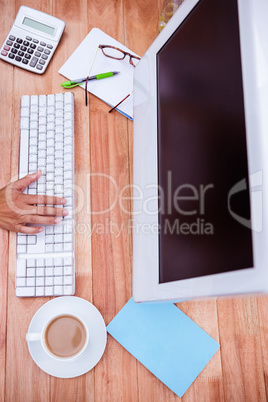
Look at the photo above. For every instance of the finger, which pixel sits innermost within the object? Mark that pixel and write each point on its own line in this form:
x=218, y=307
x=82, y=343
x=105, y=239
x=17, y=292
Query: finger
x=21, y=184
x=47, y=211
x=44, y=200
x=29, y=229
x=41, y=220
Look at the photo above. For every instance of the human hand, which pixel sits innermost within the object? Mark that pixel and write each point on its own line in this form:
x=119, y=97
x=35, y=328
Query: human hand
x=18, y=209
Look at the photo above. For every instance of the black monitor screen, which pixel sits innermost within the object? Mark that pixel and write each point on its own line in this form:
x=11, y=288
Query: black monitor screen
x=204, y=205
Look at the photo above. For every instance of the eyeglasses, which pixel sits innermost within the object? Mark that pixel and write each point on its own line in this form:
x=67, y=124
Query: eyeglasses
x=118, y=54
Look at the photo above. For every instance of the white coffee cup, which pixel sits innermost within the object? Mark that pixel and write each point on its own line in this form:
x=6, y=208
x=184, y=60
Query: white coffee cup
x=40, y=337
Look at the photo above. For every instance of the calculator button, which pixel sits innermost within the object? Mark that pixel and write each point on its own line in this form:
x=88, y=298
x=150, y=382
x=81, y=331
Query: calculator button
x=11, y=55
x=16, y=45
x=11, y=37
x=19, y=40
x=42, y=43
x=37, y=54
x=23, y=48
x=40, y=49
x=47, y=51
x=30, y=51
x=50, y=46
x=25, y=61
x=14, y=50
x=26, y=43
x=32, y=45
x=9, y=42
x=39, y=67
x=44, y=57
x=18, y=58
x=6, y=47
x=27, y=56
x=21, y=53
x=28, y=38
x=33, y=62
x=42, y=62
x=35, y=40
x=3, y=53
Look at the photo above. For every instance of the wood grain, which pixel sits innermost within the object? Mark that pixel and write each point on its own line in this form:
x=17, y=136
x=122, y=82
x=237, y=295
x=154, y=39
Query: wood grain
x=103, y=168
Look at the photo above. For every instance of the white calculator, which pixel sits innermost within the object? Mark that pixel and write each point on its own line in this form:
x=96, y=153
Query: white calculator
x=32, y=40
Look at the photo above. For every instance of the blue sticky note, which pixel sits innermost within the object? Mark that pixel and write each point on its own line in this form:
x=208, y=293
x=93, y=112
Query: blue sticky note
x=165, y=341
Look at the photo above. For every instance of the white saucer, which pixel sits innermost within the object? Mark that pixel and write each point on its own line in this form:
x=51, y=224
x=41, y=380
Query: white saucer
x=97, y=336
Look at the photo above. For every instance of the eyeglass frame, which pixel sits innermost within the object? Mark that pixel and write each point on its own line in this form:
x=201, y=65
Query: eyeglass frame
x=131, y=56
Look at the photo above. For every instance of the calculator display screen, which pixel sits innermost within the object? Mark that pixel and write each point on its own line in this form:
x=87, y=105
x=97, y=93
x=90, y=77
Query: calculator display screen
x=37, y=25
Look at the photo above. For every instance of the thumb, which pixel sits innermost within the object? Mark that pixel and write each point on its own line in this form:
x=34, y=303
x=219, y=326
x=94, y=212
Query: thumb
x=21, y=184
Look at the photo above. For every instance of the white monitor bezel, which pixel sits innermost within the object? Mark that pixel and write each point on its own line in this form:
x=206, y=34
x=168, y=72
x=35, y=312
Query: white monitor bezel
x=254, y=55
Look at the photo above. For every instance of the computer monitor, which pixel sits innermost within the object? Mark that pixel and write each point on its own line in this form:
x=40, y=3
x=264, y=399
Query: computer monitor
x=200, y=154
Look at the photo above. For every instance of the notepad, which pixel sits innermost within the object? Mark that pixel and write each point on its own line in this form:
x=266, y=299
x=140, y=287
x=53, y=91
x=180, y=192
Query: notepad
x=164, y=340
x=88, y=60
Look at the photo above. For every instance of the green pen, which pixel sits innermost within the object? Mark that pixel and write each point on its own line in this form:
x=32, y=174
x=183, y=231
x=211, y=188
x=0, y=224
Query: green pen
x=79, y=81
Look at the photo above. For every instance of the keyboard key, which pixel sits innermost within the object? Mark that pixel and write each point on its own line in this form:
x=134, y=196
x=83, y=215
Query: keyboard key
x=33, y=61
x=40, y=272
x=28, y=38
x=58, y=290
x=40, y=291
x=30, y=282
x=31, y=263
x=25, y=292
x=11, y=37
x=68, y=290
x=30, y=272
x=21, y=268
x=49, y=291
x=25, y=101
x=49, y=281
x=11, y=56
x=58, y=280
x=21, y=282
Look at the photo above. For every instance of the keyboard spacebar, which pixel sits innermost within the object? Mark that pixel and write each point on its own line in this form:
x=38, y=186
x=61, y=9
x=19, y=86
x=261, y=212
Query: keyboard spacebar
x=39, y=247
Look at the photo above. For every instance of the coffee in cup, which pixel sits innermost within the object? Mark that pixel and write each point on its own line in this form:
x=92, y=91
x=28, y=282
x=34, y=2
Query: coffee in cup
x=64, y=336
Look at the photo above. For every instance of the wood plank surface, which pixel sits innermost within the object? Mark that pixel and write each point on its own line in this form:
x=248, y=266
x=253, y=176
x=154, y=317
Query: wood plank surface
x=104, y=174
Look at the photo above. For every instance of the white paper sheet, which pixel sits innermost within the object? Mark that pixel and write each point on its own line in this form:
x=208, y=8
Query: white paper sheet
x=87, y=59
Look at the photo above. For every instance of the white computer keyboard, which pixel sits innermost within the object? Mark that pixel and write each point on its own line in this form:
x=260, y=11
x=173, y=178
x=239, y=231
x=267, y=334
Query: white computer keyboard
x=45, y=262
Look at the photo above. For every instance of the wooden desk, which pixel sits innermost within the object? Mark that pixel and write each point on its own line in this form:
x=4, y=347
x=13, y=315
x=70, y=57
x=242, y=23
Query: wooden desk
x=103, y=143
